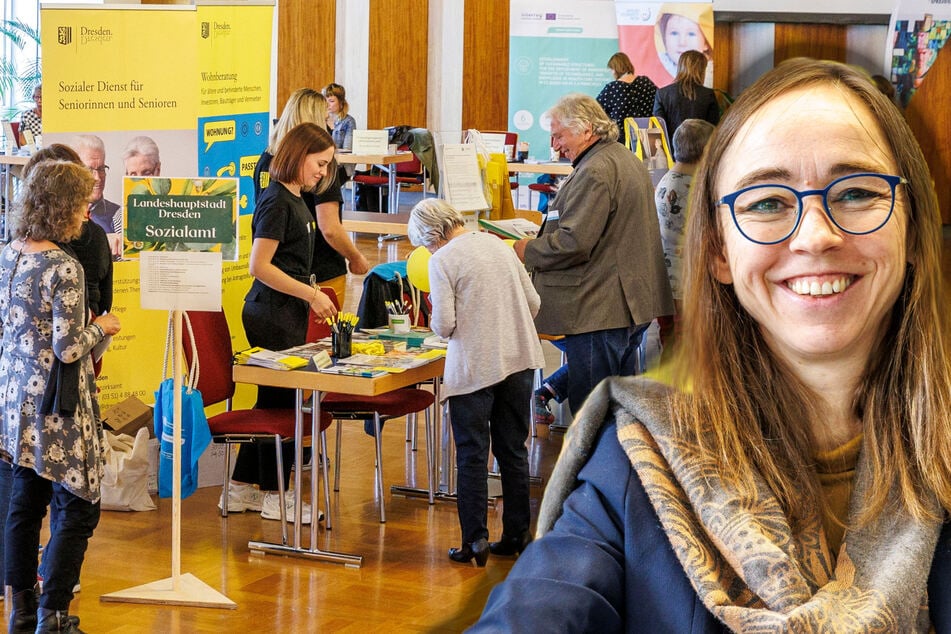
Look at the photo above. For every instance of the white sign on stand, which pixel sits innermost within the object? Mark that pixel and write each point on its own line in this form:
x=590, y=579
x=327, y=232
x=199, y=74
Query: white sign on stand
x=370, y=142
x=180, y=280
x=186, y=278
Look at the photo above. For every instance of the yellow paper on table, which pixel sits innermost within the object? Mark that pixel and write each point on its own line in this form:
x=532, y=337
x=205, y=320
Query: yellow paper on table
x=368, y=347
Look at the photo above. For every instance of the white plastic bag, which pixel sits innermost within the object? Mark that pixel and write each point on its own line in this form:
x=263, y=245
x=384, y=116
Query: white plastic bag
x=125, y=485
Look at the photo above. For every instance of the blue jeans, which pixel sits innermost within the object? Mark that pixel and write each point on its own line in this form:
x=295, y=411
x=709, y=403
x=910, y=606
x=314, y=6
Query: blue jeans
x=64, y=554
x=593, y=356
x=557, y=381
x=499, y=413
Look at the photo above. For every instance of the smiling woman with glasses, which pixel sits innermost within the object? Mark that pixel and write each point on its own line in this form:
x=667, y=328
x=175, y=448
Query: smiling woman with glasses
x=795, y=475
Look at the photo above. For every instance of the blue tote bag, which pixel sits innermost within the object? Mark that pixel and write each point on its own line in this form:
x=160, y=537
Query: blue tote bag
x=195, y=433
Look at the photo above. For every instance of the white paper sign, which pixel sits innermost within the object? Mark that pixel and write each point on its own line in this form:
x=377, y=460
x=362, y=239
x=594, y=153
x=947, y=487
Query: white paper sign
x=494, y=142
x=370, y=141
x=462, y=180
x=180, y=280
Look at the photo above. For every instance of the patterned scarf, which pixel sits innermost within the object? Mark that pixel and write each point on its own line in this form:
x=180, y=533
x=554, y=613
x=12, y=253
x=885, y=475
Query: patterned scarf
x=741, y=556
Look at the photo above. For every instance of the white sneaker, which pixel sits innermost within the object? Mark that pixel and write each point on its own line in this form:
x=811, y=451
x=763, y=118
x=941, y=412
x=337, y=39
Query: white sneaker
x=271, y=510
x=242, y=497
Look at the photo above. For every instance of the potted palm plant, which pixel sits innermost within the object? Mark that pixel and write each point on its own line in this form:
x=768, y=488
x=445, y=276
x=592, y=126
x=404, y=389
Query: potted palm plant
x=18, y=74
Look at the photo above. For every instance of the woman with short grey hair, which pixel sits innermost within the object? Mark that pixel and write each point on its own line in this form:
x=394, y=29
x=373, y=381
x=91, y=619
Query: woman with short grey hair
x=432, y=222
x=483, y=302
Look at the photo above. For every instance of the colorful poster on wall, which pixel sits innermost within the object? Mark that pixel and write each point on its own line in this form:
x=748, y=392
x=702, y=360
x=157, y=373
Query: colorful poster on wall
x=920, y=29
x=654, y=34
x=131, y=89
x=555, y=48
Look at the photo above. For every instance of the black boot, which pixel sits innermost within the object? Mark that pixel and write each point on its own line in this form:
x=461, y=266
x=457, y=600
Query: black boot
x=510, y=545
x=478, y=550
x=23, y=617
x=57, y=621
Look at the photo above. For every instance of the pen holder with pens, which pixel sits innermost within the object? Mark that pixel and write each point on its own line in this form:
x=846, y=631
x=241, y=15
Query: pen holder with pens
x=399, y=323
x=341, y=344
x=341, y=334
x=398, y=316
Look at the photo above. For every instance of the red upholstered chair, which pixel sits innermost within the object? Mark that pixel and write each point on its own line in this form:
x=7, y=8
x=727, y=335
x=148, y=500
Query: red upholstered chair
x=244, y=426
x=410, y=173
x=407, y=401
x=373, y=180
x=542, y=188
x=403, y=402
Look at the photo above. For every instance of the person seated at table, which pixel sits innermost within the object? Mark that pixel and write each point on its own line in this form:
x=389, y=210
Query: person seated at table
x=334, y=251
x=32, y=120
x=492, y=352
x=339, y=118
x=278, y=306
x=342, y=125
x=796, y=475
x=553, y=388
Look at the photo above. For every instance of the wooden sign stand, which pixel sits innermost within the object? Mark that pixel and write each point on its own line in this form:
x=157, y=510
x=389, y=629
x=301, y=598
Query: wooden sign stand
x=179, y=589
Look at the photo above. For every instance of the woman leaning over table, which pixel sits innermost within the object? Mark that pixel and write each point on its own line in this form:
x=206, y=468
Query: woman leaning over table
x=334, y=251
x=50, y=430
x=800, y=479
x=493, y=350
x=281, y=299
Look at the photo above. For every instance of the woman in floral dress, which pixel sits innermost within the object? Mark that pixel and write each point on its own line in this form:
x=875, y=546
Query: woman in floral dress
x=50, y=430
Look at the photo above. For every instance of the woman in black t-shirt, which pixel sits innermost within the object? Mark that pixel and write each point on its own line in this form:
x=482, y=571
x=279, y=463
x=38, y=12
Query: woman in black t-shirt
x=334, y=252
x=280, y=301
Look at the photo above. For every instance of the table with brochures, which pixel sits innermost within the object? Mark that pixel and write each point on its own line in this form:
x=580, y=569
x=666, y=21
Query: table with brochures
x=306, y=380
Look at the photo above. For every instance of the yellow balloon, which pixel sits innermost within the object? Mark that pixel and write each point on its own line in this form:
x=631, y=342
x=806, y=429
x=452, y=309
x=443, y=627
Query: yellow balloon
x=510, y=242
x=417, y=268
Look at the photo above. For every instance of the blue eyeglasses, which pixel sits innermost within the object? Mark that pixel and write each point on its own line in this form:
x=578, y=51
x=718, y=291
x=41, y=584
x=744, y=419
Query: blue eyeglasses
x=857, y=204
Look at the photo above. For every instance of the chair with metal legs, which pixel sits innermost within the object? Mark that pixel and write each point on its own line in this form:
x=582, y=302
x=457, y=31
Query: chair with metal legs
x=243, y=426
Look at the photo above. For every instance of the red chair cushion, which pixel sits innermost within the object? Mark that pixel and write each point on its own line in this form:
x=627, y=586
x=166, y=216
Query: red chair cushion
x=396, y=403
x=261, y=421
x=369, y=179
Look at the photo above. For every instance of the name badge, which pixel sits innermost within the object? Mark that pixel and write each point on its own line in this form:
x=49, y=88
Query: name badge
x=551, y=215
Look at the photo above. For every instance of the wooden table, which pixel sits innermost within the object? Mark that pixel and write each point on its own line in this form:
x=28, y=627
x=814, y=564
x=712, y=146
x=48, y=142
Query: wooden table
x=389, y=161
x=558, y=169
x=301, y=380
x=373, y=222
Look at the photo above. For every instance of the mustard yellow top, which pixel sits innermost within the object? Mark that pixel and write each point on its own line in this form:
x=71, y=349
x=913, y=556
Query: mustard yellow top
x=836, y=469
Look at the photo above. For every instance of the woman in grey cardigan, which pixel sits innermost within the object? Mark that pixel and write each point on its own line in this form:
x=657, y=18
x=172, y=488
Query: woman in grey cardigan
x=484, y=302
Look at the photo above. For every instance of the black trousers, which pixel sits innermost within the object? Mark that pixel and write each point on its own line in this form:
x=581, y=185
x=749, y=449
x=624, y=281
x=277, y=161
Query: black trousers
x=498, y=414
x=63, y=556
x=276, y=324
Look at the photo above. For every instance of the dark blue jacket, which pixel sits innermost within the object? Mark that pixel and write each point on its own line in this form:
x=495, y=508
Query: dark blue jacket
x=607, y=565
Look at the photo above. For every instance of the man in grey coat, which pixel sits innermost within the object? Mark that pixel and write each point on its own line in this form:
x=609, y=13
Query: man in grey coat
x=597, y=262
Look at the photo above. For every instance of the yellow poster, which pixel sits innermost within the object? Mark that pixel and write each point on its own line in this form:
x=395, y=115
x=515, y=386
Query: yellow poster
x=118, y=69
x=130, y=89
